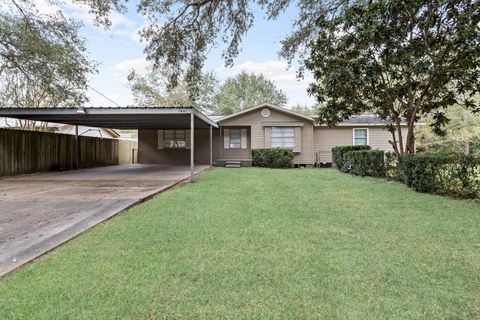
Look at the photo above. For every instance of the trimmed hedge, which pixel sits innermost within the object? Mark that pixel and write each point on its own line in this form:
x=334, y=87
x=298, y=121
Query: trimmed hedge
x=453, y=175
x=272, y=158
x=366, y=162
x=339, y=152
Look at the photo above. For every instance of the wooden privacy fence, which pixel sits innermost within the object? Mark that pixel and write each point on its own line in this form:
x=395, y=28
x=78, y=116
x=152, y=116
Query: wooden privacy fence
x=33, y=151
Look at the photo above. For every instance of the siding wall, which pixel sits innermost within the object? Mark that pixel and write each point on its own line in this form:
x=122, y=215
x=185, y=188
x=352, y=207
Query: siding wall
x=148, y=151
x=310, y=139
x=236, y=153
x=260, y=136
x=327, y=138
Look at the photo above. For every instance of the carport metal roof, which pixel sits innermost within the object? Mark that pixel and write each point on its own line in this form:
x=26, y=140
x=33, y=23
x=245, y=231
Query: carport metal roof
x=122, y=118
x=116, y=118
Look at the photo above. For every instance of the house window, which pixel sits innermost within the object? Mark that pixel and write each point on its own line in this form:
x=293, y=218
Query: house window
x=360, y=137
x=283, y=137
x=174, y=139
x=235, y=138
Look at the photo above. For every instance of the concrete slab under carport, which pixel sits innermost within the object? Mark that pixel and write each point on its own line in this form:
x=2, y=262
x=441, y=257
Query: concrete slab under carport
x=38, y=212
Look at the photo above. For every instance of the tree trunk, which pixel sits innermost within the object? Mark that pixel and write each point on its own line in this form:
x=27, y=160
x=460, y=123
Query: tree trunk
x=400, y=138
x=394, y=144
x=410, y=143
x=466, y=147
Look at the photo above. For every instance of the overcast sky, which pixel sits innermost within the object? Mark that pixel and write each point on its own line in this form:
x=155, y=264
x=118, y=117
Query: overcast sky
x=119, y=49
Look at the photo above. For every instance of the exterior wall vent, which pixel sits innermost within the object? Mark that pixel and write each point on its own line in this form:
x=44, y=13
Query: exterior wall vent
x=265, y=112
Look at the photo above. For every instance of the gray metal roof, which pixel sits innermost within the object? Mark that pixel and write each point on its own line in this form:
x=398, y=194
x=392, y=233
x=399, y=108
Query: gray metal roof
x=117, y=118
x=215, y=118
x=364, y=119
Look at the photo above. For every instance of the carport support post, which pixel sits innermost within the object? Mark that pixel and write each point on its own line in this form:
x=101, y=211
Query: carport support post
x=211, y=155
x=76, y=148
x=192, y=140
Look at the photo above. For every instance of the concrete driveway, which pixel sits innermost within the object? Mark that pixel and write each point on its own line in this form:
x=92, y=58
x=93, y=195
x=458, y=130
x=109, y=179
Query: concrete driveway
x=40, y=211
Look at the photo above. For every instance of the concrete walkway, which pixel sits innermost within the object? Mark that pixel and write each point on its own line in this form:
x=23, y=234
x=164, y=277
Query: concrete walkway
x=41, y=211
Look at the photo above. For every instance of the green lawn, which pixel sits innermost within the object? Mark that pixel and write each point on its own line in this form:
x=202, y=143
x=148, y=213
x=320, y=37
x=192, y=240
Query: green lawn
x=265, y=244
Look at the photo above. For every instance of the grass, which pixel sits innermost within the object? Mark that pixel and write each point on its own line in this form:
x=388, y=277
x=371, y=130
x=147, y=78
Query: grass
x=265, y=244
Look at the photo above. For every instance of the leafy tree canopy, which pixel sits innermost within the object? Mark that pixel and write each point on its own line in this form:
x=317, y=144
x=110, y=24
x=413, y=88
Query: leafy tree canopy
x=398, y=59
x=180, y=33
x=246, y=90
x=152, y=89
x=42, y=58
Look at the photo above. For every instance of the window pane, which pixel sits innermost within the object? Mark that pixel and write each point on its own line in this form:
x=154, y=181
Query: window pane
x=180, y=134
x=360, y=137
x=283, y=137
x=277, y=130
x=360, y=133
x=277, y=142
x=289, y=142
x=235, y=138
x=289, y=132
x=168, y=134
x=174, y=138
x=360, y=141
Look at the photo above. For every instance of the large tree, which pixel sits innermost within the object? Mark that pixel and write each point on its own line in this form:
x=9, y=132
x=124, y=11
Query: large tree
x=180, y=33
x=192, y=27
x=398, y=59
x=246, y=90
x=152, y=89
x=42, y=58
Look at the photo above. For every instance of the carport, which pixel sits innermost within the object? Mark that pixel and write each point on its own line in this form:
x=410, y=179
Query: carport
x=41, y=211
x=123, y=118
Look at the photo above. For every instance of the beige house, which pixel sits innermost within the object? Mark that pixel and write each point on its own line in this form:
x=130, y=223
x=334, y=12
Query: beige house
x=263, y=126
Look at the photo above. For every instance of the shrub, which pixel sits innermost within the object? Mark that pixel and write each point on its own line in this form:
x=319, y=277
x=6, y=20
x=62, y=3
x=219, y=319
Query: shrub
x=454, y=175
x=366, y=162
x=338, y=156
x=272, y=158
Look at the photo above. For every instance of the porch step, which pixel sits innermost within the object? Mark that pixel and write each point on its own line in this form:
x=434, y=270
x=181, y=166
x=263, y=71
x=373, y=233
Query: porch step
x=233, y=164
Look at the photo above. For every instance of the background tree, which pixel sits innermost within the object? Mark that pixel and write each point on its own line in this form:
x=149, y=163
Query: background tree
x=304, y=109
x=246, y=90
x=458, y=135
x=398, y=59
x=152, y=89
x=42, y=59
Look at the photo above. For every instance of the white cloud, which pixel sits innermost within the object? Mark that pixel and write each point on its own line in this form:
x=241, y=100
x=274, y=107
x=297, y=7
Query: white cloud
x=285, y=78
x=122, y=69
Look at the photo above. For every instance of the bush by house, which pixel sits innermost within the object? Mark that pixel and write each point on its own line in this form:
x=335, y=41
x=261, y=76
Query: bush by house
x=453, y=175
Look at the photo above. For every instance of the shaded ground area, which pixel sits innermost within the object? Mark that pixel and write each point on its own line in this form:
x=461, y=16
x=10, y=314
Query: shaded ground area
x=40, y=211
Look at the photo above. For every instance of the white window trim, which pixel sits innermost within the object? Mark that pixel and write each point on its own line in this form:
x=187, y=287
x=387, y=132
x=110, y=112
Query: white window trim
x=353, y=136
